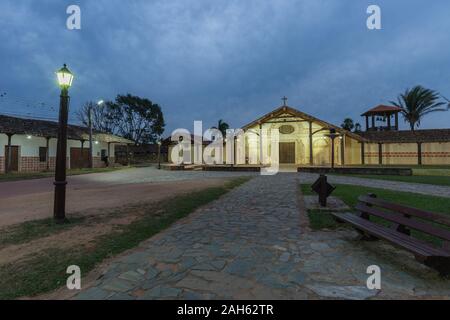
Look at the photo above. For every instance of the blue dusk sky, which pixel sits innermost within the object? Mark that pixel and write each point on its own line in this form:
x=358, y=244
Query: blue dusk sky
x=225, y=59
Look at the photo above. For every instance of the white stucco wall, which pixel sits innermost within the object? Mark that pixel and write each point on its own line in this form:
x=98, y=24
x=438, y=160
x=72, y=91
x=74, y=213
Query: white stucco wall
x=29, y=148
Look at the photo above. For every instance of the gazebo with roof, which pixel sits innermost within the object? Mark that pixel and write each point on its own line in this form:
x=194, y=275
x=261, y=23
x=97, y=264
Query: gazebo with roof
x=382, y=113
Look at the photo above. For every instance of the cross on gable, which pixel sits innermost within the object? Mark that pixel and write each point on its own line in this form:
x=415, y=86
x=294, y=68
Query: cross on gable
x=284, y=101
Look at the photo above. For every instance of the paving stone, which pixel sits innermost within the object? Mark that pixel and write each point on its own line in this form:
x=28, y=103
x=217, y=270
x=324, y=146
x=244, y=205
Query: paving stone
x=118, y=285
x=204, y=266
x=285, y=257
x=343, y=292
x=319, y=246
x=194, y=284
x=187, y=263
x=297, y=277
x=131, y=276
x=218, y=264
x=189, y=295
x=276, y=247
x=137, y=257
x=273, y=281
x=94, y=293
x=151, y=273
x=239, y=267
x=121, y=296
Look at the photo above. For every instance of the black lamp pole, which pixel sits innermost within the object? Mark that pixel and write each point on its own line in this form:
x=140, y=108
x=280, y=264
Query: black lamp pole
x=59, y=209
x=333, y=135
x=159, y=154
x=61, y=156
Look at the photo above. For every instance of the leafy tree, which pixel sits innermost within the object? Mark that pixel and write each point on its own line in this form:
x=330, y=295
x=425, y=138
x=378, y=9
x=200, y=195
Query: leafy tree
x=357, y=127
x=418, y=102
x=348, y=124
x=137, y=119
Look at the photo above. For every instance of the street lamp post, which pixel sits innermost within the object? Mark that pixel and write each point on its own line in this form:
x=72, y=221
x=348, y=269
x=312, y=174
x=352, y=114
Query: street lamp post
x=159, y=153
x=91, y=149
x=333, y=135
x=91, y=157
x=65, y=78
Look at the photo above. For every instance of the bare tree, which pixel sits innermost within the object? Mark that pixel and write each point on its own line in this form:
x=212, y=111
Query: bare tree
x=101, y=115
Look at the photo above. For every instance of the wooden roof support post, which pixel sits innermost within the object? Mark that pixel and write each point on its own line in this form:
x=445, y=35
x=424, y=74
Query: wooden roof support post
x=367, y=123
x=380, y=153
x=109, y=154
x=389, y=121
x=396, y=121
x=419, y=153
x=343, y=150
x=311, y=156
x=47, y=153
x=363, y=161
x=260, y=145
x=8, y=159
x=128, y=154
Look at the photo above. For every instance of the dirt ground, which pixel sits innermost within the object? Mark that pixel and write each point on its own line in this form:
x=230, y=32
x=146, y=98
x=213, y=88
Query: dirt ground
x=26, y=206
x=132, y=199
x=87, y=203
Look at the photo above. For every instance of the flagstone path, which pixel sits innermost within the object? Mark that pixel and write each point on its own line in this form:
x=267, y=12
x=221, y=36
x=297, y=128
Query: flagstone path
x=253, y=243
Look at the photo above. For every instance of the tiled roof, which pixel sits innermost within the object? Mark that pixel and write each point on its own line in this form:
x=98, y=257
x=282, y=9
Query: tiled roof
x=428, y=135
x=43, y=128
x=168, y=140
x=381, y=109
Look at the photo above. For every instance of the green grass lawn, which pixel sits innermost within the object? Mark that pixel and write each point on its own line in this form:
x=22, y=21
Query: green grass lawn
x=350, y=193
x=46, y=271
x=440, y=180
x=15, y=176
x=437, y=175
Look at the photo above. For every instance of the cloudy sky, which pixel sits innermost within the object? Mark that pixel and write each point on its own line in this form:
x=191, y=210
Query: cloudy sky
x=224, y=59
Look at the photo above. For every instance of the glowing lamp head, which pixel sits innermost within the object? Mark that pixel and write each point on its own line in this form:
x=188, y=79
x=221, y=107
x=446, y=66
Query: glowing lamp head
x=65, y=77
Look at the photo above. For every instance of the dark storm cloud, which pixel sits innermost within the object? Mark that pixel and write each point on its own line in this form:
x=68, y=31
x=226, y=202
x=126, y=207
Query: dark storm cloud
x=225, y=59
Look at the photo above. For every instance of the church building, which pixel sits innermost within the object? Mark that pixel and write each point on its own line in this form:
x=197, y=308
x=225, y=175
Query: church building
x=305, y=140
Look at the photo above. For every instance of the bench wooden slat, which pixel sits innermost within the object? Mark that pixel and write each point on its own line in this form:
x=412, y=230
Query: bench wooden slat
x=435, y=217
x=413, y=245
x=411, y=223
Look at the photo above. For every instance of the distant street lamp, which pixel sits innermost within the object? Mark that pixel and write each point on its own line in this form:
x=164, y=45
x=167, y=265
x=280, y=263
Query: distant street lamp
x=333, y=135
x=65, y=78
x=91, y=149
x=159, y=153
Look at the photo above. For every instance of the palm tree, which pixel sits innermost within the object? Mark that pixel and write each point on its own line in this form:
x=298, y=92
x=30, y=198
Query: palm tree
x=222, y=127
x=348, y=124
x=418, y=102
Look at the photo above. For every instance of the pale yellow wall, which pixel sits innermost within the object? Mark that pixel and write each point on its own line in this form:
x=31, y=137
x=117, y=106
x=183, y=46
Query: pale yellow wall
x=436, y=153
x=400, y=153
x=371, y=153
x=352, y=151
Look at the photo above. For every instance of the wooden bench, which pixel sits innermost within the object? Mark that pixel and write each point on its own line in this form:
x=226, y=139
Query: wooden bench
x=402, y=220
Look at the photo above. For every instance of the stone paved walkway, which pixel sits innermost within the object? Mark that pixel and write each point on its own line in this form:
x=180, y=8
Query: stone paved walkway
x=427, y=189
x=250, y=244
